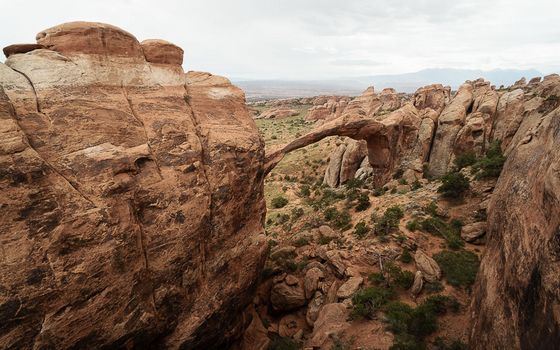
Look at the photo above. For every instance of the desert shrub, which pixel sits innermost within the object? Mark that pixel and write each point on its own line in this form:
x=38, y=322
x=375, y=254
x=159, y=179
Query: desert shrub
x=389, y=221
x=432, y=209
x=433, y=287
x=279, y=202
x=326, y=198
x=379, y=192
x=354, y=183
x=490, y=166
x=363, y=202
x=399, y=277
x=417, y=322
x=342, y=220
x=297, y=213
x=459, y=267
x=450, y=232
x=325, y=240
x=282, y=219
x=300, y=242
x=339, y=219
x=454, y=185
x=330, y=213
x=464, y=160
x=305, y=191
x=412, y=225
x=405, y=256
x=367, y=301
x=441, y=344
x=361, y=229
x=403, y=181
x=398, y=174
x=415, y=185
x=376, y=278
x=282, y=343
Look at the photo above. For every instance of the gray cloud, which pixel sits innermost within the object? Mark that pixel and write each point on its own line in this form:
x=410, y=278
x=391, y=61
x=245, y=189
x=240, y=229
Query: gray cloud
x=312, y=39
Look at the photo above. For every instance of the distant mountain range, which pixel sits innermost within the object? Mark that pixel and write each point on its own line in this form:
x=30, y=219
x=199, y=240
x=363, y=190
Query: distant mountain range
x=407, y=82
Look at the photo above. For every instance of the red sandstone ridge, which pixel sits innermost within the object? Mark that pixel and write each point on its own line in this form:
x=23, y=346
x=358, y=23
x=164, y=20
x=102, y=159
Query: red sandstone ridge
x=132, y=196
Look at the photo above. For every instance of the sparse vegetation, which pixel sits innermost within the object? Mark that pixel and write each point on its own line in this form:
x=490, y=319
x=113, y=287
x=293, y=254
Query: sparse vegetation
x=368, y=301
x=490, y=166
x=454, y=185
x=389, y=221
x=363, y=202
x=279, y=202
x=405, y=256
x=464, y=160
x=339, y=219
x=459, y=267
x=361, y=229
x=450, y=232
x=282, y=343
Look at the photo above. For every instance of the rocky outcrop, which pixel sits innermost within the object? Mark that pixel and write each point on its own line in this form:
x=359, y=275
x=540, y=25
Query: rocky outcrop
x=132, y=196
x=277, y=113
x=517, y=293
x=464, y=125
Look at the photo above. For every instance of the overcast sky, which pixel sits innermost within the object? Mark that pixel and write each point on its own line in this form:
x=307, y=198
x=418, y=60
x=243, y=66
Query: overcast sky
x=312, y=39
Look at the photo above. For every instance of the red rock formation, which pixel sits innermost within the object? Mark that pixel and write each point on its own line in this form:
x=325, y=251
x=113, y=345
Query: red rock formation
x=132, y=196
x=517, y=294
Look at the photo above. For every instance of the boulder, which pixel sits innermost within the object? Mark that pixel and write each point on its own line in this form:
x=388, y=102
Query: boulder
x=289, y=325
x=314, y=307
x=20, y=48
x=336, y=261
x=161, y=51
x=472, y=232
x=417, y=284
x=285, y=297
x=431, y=271
x=330, y=322
x=311, y=281
x=348, y=288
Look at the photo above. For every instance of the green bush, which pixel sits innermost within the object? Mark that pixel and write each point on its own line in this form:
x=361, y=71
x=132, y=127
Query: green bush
x=363, y=202
x=417, y=322
x=490, y=166
x=432, y=209
x=405, y=256
x=326, y=198
x=354, y=183
x=450, y=232
x=361, y=229
x=459, y=267
x=433, y=287
x=378, y=192
x=454, y=185
x=389, y=221
x=464, y=160
x=297, y=213
x=366, y=302
x=300, y=242
x=282, y=343
x=412, y=225
x=305, y=191
x=401, y=278
x=416, y=185
x=279, y=202
x=339, y=219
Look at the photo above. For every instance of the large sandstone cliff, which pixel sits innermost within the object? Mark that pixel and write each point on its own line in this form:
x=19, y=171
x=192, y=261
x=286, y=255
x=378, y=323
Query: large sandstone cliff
x=516, y=301
x=132, y=196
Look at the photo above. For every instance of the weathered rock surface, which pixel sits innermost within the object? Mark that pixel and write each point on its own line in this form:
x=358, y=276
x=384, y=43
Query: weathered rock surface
x=348, y=288
x=277, y=113
x=330, y=321
x=517, y=293
x=428, y=266
x=474, y=231
x=131, y=196
x=286, y=296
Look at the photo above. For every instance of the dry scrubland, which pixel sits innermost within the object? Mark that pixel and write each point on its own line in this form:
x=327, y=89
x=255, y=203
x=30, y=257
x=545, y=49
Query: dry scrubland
x=375, y=231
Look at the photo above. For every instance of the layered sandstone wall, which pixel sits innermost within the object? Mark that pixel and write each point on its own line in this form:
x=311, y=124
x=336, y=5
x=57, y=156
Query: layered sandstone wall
x=132, y=196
